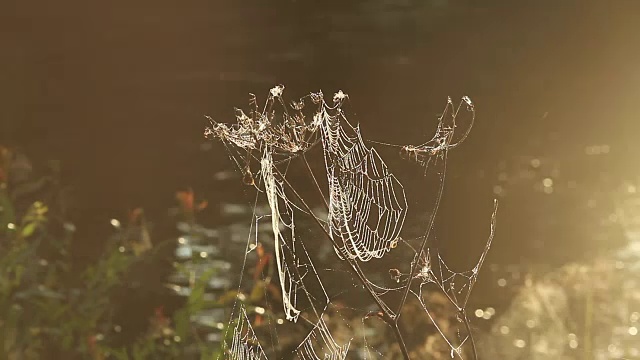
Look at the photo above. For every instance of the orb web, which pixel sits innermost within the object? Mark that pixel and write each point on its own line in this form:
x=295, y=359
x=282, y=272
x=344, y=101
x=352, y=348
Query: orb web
x=320, y=345
x=367, y=203
x=245, y=344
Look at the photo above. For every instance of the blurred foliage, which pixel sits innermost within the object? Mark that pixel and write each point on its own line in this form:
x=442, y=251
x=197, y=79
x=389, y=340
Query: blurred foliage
x=50, y=308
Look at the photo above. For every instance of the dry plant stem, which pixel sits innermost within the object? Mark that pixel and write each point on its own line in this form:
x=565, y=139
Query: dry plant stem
x=310, y=172
x=357, y=271
x=468, y=328
x=414, y=264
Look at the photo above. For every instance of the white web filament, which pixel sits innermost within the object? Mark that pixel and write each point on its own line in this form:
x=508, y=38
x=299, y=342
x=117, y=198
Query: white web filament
x=367, y=207
x=320, y=345
x=275, y=193
x=285, y=132
x=245, y=345
x=442, y=140
x=263, y=135
x=367, y=204
x=456, y=286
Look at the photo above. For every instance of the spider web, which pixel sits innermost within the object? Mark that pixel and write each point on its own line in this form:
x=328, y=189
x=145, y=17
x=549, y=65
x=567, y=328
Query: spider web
x=320, y=341
x=262, y=136
x=433, y=270
x=456, y=286
x=274, y=192
x=245, y=344
x=367, y=205
x=366, y=211
x=442, y=141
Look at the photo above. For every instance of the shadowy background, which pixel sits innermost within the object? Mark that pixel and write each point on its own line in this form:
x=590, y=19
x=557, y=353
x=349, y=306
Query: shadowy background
x=118, y=92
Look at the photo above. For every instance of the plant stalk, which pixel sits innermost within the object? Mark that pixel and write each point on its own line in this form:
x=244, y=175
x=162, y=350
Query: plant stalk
x=356, y=270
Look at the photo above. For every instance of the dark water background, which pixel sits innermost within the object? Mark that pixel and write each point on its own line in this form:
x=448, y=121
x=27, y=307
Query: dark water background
x=118, y=90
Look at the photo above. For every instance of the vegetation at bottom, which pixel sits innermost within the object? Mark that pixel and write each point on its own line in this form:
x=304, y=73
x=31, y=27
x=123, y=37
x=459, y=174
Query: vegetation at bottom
x=55, y=307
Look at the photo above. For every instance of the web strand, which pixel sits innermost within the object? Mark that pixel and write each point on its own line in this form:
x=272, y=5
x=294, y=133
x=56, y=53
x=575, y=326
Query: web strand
x=367, y=208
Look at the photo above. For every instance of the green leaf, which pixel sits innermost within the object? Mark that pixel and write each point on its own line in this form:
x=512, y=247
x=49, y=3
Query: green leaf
x=6, y=214
x=19, y=271
x=182, y=321
x=29, y=229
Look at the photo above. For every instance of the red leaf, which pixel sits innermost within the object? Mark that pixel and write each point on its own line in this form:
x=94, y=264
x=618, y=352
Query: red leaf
x=262, y=262
x=134, y=215
x=186, y=199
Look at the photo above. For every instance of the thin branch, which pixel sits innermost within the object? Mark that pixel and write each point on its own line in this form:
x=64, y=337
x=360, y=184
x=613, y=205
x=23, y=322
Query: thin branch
x=468, y=328
x=390, y=320
x=310, y=172
x=415, y=263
